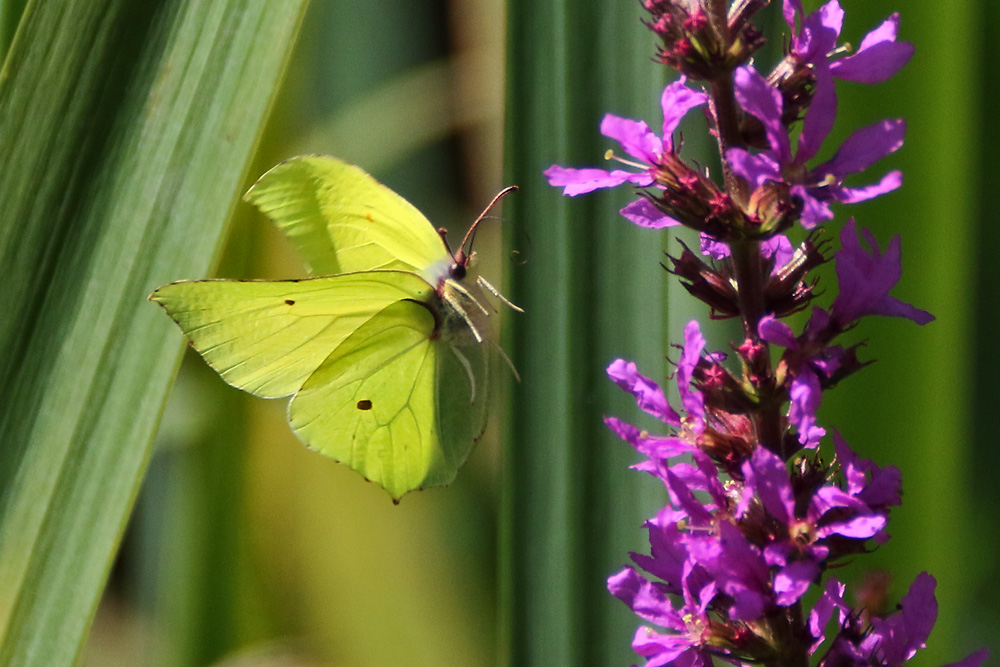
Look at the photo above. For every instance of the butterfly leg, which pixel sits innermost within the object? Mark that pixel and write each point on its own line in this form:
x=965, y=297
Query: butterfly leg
x=454, y=303
x=464, y=292
x=510, y=364
x=495, y=292
x=468, y=371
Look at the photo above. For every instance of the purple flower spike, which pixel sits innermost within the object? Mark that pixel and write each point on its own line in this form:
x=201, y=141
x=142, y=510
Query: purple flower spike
x=638, y=141
x=866, y=278
x=751, y=524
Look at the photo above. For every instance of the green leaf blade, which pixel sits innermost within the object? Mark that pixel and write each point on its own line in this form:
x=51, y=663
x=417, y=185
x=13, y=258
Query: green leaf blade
x=131, y=128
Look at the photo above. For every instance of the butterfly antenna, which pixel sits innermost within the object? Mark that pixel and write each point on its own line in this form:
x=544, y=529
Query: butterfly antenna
x=472, y=230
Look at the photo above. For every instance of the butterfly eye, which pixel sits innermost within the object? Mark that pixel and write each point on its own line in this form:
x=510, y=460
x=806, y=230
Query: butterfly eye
x=457, y=271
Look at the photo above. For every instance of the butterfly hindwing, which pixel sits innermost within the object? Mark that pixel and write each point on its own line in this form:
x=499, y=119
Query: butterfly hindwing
x=343, y=220
x=267, y=337
x=378, y=403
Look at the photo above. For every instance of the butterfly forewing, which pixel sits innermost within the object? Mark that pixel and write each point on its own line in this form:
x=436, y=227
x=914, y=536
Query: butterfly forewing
x=344, y=220
x=267, y=337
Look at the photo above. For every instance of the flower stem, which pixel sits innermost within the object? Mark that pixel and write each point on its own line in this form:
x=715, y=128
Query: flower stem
x=722, y=103
x=747, y=261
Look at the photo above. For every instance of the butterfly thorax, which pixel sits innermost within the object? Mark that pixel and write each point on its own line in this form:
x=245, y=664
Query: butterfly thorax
x=462, y=308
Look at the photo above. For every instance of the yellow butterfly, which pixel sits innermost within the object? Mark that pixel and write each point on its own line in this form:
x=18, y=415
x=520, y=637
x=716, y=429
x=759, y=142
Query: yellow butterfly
x=385, y=356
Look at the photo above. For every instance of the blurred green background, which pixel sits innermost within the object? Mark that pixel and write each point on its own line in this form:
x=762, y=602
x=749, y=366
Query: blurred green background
x=246, y=549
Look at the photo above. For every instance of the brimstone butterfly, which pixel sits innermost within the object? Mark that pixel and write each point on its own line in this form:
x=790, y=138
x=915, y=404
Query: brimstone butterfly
x=385, y=356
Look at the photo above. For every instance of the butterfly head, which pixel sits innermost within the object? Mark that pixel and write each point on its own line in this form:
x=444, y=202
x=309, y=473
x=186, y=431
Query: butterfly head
x=462, y=263
x=463, y=260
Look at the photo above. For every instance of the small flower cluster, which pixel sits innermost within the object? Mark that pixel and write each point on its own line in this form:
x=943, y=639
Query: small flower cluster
x=756, y=515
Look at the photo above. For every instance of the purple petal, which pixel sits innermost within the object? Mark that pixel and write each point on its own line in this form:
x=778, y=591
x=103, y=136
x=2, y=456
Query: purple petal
x=897, y=638
x=792, y=582
x=694, y=343
x=873, y=65
x=831, y=600
x=668, y=550
x=677, y=100
x=805, y=395
x=580, y=181
x=789, y=9
x=814, y=211
x=859, y=528
x=754, y=169
x=768, y=476
x=712, y=248
x=777, y=332
x=738, y=568
x=644, y=599
x=820, y=31
x=651, y=446
x=661, y=448
x=879, y=56
x=761, y=100
x=648, y=395
x=887, y=31
x=661, y=650
x=643, y=213
x=776, y=554
x=635, y=137
x=893, y=307
x=920, y=606
x=865, y=279
x=865, y=147
x=781, y=249
x=684, y=499
x=885, y=488
x=818, y=320
x=851, y=465
x=820, y=116
x=974, y=660
x=713, y=485
x=829, y=498
x=889, y=182
x=812, y=437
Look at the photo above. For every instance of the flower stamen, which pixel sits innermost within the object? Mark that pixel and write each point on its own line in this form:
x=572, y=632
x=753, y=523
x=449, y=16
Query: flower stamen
x=610, y=155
